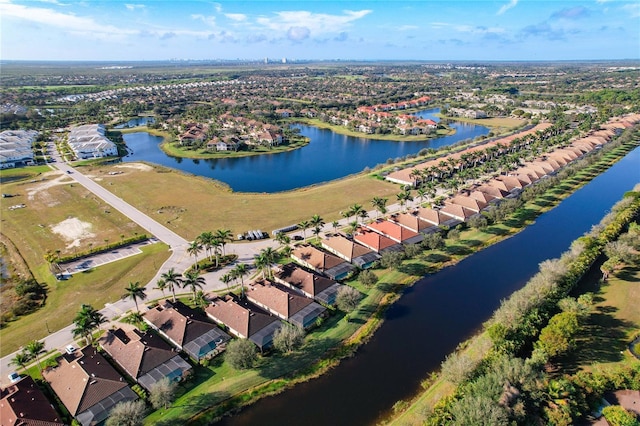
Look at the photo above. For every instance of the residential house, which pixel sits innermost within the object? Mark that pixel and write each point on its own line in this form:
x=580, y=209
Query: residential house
x=285, y=303
x=322, y=262
x=194, y=134
x=24, y=404
x=145, y=357
x=321, y=289
x=187, y=329
x=376, y=241
x=466, y=201
x=88, y=386
x=16, y=148
x=436, y=217
x=396, y=232
x=413, y=222
x=244, y=319
x=357, y=254
x=458, y=212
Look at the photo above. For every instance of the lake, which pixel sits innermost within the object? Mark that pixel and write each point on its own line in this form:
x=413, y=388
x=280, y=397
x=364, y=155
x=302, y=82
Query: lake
x=438, y=313
x=327, y=157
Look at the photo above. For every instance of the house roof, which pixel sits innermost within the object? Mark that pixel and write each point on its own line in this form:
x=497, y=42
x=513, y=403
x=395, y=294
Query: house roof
x=83, y=379
x=242, y=316
x=348, y=248
x=185, y=326
x=23, y=403
x=493, y=191
x=457, y=211
x=277, y=298
x=471, y=203
x=316, y=258
x=435, y=217
x=374, y=240
x=411, y=221
x=307, y=282
x=394, y=231
x=136, y=352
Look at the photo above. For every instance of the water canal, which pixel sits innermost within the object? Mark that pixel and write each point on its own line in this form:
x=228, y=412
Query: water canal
x=438, y=313
x=327, y=157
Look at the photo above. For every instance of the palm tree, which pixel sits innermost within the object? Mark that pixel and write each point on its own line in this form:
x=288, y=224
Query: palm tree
x=86, y=321
x=240, y=271
x=172, y=280
x=226, y=279
x=316, y=221
x=353, y=227
x=194, y=249
x=161, y=285
x=335, y=225
x=193, y=280
x=268, y=257
x=206, y=241
x=21, y=360
x=282, y=238
x=304, y=225
x=422, y=193
x=380, y=205
x=224, y=236
x=200, y=300
x=355, y=210
x=363, y=215
x=261, y=263
x=35, y=348
x=135, y=291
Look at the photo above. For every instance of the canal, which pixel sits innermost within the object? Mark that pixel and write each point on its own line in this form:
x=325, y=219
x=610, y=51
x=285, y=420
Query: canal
x=327, y=157
x=438, y=313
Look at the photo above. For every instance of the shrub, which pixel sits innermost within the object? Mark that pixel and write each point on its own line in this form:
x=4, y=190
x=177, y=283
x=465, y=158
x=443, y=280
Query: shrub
x=288, y=338
x=241, y=354
x=348, y=298
x=618, y=416
x=367, y=278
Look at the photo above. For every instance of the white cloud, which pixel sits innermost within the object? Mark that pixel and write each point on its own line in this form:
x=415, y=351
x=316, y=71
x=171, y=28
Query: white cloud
x=209, y=20
x=316, y=23
x=238, y=17
x=632, y=9
x=510, y=5
x=133, y=7
x=65, y=21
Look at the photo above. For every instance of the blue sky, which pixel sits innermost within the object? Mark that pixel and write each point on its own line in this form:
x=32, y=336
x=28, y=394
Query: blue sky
x=364, y=30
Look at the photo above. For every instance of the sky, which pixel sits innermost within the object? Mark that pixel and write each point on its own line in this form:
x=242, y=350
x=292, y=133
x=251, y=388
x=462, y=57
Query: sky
x=466, y=30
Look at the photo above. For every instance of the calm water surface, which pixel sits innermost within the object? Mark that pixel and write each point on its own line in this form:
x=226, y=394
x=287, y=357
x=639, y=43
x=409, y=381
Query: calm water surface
x=327, y=157
x=439, y=312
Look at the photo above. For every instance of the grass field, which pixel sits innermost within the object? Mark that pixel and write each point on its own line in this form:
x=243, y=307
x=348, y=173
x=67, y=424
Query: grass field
x=190, y=205
x=94, y=287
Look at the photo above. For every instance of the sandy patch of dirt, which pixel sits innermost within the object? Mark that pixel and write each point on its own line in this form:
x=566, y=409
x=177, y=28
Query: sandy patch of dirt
x=60, y=180
x=138, y=166
x=73, y=230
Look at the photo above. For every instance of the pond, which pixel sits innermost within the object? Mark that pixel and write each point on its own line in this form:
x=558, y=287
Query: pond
x=327, y=157
x=438, y=313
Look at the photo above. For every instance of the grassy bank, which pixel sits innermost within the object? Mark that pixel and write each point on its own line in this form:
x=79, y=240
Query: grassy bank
x=477, y=348
x=345, y=131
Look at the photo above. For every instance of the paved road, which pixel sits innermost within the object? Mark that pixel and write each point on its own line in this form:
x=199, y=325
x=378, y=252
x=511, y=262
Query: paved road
x=179, y=259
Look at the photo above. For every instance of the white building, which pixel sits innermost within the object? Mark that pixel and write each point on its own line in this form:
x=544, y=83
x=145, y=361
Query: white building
x=89, y=141
x=16, y=148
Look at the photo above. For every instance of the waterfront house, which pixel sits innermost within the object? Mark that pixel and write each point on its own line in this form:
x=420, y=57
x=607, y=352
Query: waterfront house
x=394, y=231
x=349, y=250
x=244, y=319
x=187, y=329
x=322, y=262
x=88, y=386
x=317, y=287
x=436, y=217
x=144, y=356
x=458, y=212
x=23, y=404
x=376, y=241
x=467, y=201
x=285, y=303
x=413, y=222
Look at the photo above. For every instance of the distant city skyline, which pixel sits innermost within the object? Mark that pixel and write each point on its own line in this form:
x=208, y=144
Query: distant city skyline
x=490, y=30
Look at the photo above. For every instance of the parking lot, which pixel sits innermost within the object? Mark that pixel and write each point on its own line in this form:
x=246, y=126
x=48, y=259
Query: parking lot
x=98, y=259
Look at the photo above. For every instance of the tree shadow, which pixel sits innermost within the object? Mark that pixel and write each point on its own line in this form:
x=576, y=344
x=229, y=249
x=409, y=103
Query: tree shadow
x=602, y=339
x=459, y=250
x=415, y=269
x=436, y=257
x=196, y=404
x=472, y=243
